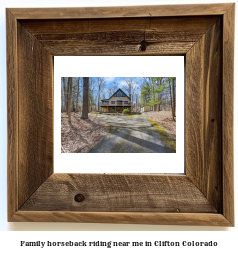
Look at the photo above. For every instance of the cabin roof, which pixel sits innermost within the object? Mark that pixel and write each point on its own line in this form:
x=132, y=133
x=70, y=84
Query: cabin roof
x=122, y=92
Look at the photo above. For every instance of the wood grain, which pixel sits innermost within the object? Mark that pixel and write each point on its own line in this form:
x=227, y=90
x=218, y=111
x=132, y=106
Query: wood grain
x=141, y=193
x=72, y=48
x=121, y=11
x=192, y=219
x=119, y=36
x=204, y=196
x=178, y=25
x=227, y=113
x=35, y=114
x=204, y=115
x=12, y=114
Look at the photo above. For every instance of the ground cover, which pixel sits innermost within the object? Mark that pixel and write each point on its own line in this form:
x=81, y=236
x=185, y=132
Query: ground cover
x=81, y=135
x=165, y=120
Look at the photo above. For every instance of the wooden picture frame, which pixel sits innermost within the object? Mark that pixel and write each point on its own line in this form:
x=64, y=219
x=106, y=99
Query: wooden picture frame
x=204, y=34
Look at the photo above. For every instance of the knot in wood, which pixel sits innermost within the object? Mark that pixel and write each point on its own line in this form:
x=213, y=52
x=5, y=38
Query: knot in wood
x=79, y=198
x=143, y=45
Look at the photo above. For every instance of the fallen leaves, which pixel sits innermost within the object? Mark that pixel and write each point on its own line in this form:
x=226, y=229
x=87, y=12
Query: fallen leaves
x=81, y=135
x=165, y=120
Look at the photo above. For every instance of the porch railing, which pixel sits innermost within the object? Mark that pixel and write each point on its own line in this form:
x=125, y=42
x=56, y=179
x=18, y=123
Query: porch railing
x=104, y=103
x=114, y=104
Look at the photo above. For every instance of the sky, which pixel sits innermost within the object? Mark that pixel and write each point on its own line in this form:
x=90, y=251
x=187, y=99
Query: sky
x=121, y=82
x=107, y=90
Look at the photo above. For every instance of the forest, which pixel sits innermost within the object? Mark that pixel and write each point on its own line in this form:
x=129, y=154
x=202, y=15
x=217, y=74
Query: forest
x=80, y=94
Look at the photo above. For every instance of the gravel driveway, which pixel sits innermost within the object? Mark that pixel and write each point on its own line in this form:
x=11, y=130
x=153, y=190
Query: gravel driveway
x=131, y=134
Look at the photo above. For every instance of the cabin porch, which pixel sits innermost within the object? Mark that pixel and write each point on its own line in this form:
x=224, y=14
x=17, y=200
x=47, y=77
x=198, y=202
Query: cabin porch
x=114, y=108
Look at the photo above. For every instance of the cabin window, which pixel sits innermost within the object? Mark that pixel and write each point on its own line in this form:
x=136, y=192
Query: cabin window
x=112, y=102
x=120, y=94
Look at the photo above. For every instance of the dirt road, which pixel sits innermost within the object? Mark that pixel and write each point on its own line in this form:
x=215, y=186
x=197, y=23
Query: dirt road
x=132, y=134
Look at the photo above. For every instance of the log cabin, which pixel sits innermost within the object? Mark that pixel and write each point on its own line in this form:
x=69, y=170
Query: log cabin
x=116, y=103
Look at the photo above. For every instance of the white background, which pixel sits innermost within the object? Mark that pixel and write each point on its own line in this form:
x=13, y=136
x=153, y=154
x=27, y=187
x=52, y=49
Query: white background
x=10, y=240
x=119, y=66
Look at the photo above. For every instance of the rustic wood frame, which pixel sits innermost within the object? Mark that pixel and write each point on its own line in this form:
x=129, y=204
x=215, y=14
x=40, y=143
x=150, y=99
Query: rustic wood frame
x=202, y=33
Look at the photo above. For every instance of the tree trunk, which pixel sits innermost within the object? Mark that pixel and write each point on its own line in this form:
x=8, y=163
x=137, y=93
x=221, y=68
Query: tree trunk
x=98, y=99
x=173, y=90
x=62, y=97
x=159, y=103
x=65, y=96
x=85, y=98
x=70, y=97
x=136, y=103
x=77, y=100
x=171, y=98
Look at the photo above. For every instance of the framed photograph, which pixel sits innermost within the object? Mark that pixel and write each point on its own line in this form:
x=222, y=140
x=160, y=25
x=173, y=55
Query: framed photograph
x=202, y=195
x=142, y=140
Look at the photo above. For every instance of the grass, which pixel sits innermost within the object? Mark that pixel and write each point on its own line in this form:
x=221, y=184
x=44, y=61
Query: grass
x=164, y=135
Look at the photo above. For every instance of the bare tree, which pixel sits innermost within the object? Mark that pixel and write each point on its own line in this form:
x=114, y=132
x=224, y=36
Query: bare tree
x=85, y=98
x=113, y=88
x=172, y=96
x=65, y=95
x=129, y=87
x=91, y=97
x=174, y=99
x=101, y=82
x=70, y=96
x=77, y=97
x=159, y=83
